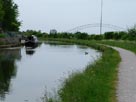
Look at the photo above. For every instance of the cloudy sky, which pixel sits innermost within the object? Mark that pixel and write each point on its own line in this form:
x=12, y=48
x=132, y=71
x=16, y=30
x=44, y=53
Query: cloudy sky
x=66, y=14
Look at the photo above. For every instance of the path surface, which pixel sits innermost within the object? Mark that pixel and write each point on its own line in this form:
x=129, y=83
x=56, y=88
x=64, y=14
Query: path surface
x=126, y=90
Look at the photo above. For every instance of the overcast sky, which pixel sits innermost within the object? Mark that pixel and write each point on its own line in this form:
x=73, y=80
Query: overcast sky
x=66, y=14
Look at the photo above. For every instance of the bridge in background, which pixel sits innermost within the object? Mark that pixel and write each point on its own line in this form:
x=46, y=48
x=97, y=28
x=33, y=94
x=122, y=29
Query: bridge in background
x=82, y=27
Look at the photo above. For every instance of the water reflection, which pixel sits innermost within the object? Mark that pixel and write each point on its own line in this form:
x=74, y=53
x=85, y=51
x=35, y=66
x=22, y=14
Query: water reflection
x=37, y=68
x=57, y=43
x=7, y=69
x=82, y=47
x=30, y=51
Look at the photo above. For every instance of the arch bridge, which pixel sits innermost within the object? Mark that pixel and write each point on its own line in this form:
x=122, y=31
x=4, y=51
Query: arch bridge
x=82, y=27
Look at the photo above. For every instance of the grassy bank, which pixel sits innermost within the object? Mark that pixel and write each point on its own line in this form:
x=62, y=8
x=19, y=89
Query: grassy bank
x=128, y=45
x=97, y=83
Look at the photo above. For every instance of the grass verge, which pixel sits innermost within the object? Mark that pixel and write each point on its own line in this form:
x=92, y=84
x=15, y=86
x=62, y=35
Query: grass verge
x=97, y=83
x=128, y=45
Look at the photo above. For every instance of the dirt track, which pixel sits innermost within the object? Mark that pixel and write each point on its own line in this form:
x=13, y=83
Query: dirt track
x=126, y=89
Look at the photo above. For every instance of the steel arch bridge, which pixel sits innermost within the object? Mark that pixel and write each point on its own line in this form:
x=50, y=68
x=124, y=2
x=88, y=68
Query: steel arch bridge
x=82, y=27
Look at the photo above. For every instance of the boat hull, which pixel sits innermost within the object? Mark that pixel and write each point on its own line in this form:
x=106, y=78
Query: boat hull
x=31, y=41
x=31, y=44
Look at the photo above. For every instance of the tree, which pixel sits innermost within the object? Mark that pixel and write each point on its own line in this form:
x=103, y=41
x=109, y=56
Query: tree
x=10, y=21
x=80, y=35
x=1, y=13
x=108, y=35
x=132, y=33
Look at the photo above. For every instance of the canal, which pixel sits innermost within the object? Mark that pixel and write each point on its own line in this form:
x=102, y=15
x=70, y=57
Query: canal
x=25, y=74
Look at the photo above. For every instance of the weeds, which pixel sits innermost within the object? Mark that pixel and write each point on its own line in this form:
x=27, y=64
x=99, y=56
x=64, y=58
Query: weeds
x=97, y=83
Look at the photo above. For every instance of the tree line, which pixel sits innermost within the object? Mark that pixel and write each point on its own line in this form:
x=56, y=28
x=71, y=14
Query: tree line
x=8, y=16
x=130, y=34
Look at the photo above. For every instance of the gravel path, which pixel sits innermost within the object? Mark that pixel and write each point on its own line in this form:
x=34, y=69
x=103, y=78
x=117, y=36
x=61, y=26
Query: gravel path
x=126, y=90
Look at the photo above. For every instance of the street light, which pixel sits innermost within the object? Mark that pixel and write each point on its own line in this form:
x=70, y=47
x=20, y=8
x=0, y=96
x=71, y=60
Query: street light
x=101, y=19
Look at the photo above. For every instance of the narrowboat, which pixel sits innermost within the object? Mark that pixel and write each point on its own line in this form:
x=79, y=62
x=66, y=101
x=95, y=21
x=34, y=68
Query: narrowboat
x=31, y=41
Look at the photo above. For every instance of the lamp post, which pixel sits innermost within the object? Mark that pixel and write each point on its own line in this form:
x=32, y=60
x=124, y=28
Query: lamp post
x=101, y=19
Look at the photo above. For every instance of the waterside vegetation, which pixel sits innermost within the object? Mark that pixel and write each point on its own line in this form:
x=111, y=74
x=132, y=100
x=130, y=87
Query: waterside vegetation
x=128, y=45
x=97, y=83
x=129, y=35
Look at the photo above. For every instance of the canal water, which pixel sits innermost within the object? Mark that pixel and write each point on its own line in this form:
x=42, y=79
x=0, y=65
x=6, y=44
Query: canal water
x=25, y=74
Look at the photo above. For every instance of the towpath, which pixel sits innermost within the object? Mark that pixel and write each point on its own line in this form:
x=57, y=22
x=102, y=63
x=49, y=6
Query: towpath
x=126, y=89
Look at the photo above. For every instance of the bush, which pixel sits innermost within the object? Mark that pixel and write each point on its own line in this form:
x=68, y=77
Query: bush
x=108, y=35
x=132, y=33
x=80, y=35
x=2, y=35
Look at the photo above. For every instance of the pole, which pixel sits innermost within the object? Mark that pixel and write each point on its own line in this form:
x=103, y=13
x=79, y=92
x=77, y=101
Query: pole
x=101, y=19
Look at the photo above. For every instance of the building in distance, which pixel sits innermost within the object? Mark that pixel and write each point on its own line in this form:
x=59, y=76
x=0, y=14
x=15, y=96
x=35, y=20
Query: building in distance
x=53, y=31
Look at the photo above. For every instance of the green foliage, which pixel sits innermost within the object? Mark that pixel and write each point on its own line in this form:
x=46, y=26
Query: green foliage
x=97, y=83
x=1, y=11
x=132, y=33
x=33, y=32
x=129, y=45
x=108, y=35
x=95, y=37
x=116, y=35
x=9, y=14
x=80, y=35
x=2, y=35
x=122, y=35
